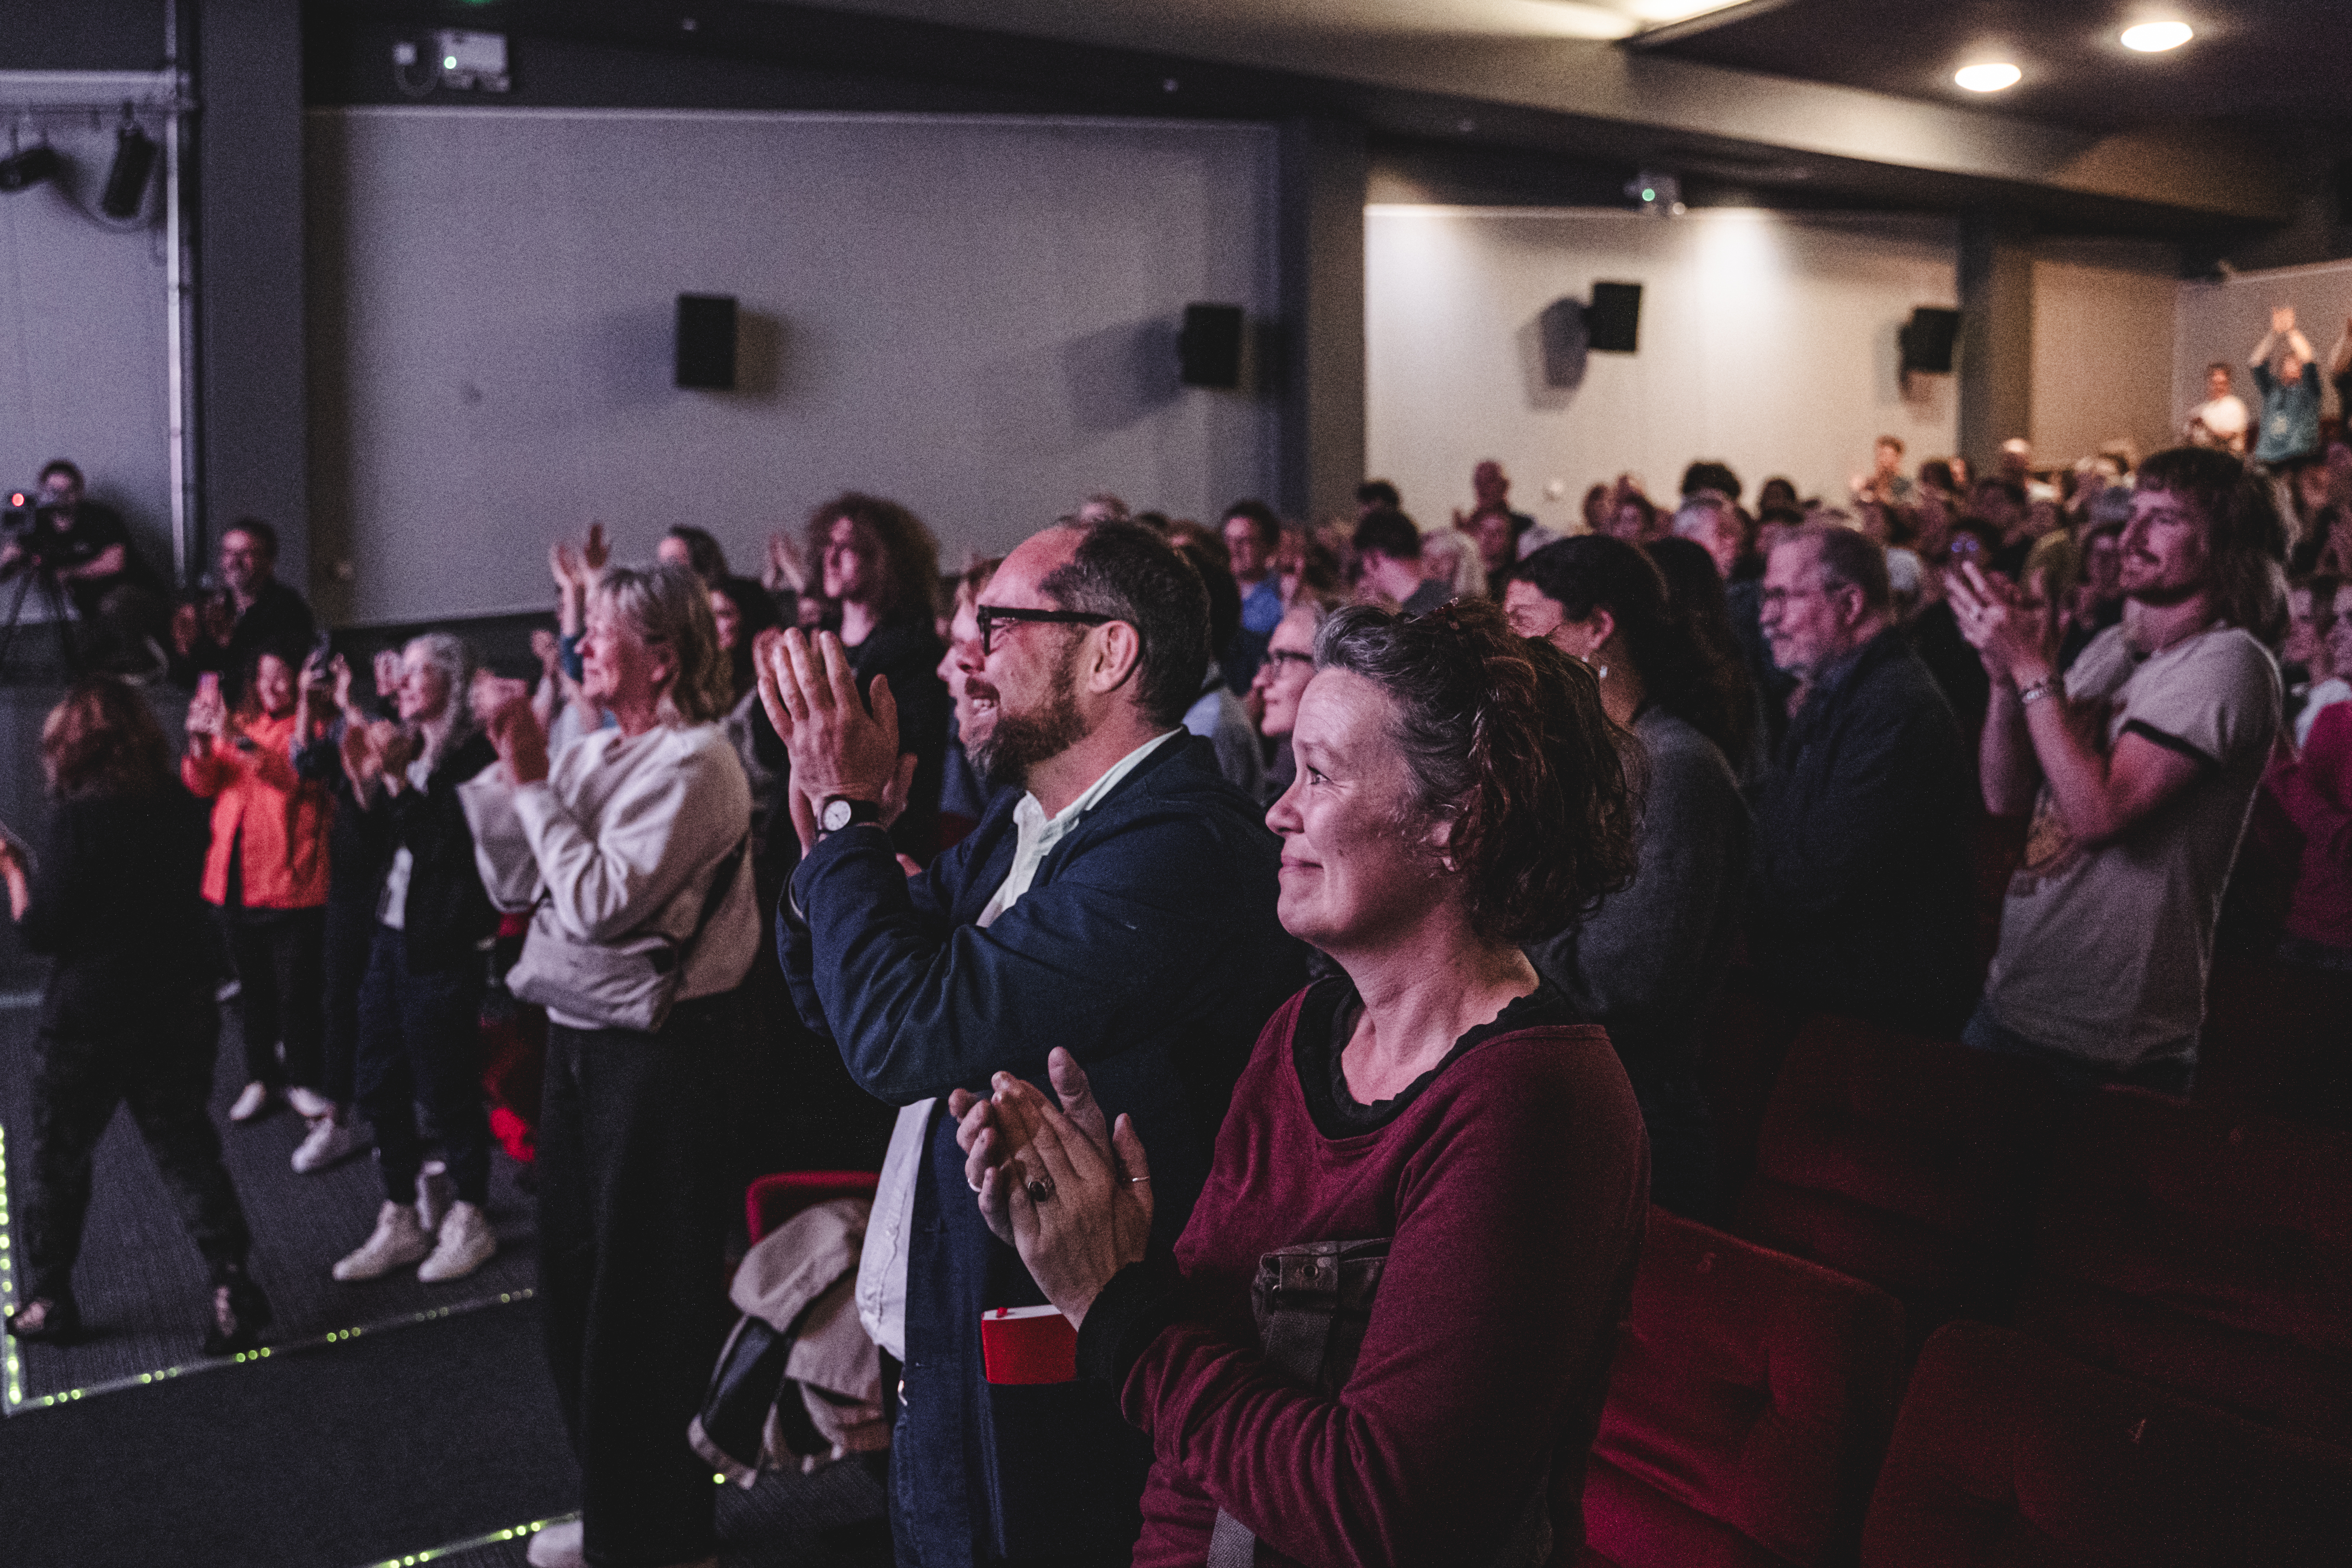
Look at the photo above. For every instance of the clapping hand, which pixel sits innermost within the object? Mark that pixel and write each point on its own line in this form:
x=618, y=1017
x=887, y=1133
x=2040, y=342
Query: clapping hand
x=508, y=718
x=785, y=568
x=1075, y=1194
x=2283, y=319
x=386, y=672
x=837, y=747
x=2016, y=637
x=363, y=762
x=397, y=746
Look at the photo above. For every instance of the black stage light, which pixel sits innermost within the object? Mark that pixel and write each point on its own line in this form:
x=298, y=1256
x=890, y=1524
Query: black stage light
x=126, y=182
x=21, y=170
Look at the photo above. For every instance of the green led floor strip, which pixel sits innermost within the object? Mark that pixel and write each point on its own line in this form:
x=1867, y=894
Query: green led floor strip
x=18, y=1403
x=520, y=1532
x=12, y=1370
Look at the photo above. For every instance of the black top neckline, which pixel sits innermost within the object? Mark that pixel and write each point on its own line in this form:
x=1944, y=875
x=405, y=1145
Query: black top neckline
x=1328, y=1016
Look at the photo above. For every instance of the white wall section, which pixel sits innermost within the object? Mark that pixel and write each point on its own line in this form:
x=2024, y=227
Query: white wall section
x=974, y=316
x=1767, y=340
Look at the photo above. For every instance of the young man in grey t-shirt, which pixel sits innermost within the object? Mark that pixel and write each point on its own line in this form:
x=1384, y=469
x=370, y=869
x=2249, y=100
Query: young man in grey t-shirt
x=2140, y=765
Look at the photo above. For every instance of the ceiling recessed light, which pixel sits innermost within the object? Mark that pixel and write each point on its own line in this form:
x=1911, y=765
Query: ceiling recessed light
x=2155, y=37
x=1987, y=77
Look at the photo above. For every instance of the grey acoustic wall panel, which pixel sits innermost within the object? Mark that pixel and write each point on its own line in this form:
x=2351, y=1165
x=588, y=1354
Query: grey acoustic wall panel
x=974, y=316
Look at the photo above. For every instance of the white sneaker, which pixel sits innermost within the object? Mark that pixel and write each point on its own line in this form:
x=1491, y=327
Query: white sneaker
x=328, y=1142
x=434, y=1192
x=466, y=1243
x=256, y=1100
x=560, y=1546
x=310, y=1103
x=397, y=1241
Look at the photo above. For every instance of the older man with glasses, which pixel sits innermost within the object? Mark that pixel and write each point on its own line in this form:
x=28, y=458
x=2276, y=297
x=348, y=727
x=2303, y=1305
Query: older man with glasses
x=1119, y=903
x=1859, y=901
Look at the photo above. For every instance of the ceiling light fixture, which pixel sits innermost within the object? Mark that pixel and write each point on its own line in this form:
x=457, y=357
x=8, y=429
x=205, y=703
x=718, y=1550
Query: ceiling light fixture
x=1988, y=77
x=2155, y=37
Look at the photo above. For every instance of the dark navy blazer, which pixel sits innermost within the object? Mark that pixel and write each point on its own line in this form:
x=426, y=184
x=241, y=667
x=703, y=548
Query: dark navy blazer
x=1148, y=947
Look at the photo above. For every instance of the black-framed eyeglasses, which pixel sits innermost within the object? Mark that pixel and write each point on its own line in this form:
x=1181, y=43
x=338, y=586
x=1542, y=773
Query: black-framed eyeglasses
x=1287, y=656
x=989, y=617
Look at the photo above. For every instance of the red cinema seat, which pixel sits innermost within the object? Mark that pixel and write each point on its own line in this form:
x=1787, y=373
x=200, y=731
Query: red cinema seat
x=1747, y=1405
x=772, y=1200
x=2206, y=1251
x=1744, y=1033
x=1907, y=1162
x=2277, y=1038
x=2009, y=1455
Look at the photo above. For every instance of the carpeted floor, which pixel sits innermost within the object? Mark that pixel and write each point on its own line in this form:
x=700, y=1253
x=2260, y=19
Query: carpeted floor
x=327, y=1457
x=142, y=1287
x=391, y=1423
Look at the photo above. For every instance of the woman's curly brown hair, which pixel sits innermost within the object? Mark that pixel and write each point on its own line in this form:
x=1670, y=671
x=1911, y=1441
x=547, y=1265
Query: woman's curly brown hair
x=910, y=556
x=1505, y=736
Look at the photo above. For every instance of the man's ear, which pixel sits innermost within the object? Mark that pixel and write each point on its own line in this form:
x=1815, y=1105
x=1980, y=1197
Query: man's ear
x=1119, y=654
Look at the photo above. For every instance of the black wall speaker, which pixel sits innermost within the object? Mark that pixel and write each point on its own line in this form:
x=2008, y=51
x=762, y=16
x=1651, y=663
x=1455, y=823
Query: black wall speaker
x=1209, y=349
x=1612, y=322
x=1927, y=339
x=706, y=341
x=126, y=180
x=1562, y=328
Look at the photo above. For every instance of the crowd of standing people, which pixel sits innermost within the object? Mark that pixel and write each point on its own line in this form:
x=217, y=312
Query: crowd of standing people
x=1171, y=902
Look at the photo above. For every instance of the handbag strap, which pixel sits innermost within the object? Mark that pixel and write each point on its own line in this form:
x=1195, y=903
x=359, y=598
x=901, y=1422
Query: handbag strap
x=719, y=885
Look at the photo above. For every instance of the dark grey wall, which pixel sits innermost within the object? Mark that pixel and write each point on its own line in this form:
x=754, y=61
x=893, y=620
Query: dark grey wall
x=1996, y=350
x=82, y=35
x=1323, y=170
x=253, y=419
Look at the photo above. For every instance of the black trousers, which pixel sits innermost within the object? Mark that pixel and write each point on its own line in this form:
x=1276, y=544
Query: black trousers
x=350, y=934
x=163, y=1068
x=280, y=973
x=421, y=1039
x=635, y=1141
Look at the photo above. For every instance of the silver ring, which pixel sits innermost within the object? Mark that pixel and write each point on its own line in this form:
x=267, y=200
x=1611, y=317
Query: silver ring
x=972, y=1184
x=1132, y=1180
x=1040, y=1189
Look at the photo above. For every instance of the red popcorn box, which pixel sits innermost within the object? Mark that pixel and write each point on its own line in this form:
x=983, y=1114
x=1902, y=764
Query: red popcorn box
x=1028, y=1345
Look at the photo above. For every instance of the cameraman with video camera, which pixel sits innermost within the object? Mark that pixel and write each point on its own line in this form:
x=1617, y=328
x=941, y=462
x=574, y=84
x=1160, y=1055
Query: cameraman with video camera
x=84, y=542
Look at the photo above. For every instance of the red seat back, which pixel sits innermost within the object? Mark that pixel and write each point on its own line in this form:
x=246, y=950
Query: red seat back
x=1907, y=1162
x=1746, y=1406
x=2008, y=1455
x=772, y=1200
x=2277, y=1038
x=2207, y=1251
x=1744, y=1034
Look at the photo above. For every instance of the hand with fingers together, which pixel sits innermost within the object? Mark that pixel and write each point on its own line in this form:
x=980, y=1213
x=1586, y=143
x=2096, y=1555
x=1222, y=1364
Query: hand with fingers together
x=837, y=746
x=1075, y=1194
x=2015, y=635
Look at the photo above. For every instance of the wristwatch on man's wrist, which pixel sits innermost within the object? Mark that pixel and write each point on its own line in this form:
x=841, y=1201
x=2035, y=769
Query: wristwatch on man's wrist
x=839, y=812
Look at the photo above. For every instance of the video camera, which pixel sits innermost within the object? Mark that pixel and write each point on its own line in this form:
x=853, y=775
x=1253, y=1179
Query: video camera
x=29, y=523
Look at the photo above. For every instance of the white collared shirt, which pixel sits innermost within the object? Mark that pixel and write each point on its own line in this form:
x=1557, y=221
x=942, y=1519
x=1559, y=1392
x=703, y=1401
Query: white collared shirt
x=882, y=1266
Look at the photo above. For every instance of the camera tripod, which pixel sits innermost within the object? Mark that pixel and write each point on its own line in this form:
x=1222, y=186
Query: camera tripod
x=32, y=572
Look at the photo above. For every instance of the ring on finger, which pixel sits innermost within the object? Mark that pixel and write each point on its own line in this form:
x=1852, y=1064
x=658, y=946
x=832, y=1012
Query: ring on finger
x=1041, y=1189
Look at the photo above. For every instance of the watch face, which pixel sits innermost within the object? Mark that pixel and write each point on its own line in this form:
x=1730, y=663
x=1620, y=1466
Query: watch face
x=836, y=815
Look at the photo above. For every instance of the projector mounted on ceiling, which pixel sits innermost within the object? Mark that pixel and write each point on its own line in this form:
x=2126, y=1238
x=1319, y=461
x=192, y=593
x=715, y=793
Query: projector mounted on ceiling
x=476, y=61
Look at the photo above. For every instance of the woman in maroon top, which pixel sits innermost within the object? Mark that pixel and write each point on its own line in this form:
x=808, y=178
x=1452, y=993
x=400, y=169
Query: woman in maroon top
x=1457, y=788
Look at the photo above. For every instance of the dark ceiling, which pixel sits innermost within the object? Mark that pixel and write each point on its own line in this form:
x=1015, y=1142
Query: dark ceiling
x=2273, y=63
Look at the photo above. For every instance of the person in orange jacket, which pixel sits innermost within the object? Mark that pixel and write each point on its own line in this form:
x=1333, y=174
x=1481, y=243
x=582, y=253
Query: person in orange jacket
x=267, y=872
